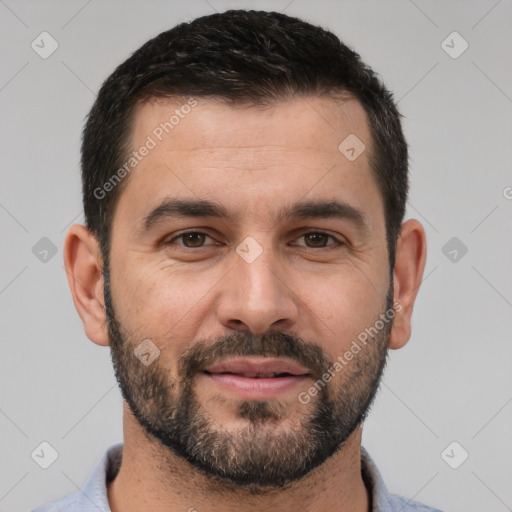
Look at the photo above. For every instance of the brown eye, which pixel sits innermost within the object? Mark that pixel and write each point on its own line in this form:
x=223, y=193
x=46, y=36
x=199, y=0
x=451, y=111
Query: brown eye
x=318, y=240
x=189, y=239
x=193, y=239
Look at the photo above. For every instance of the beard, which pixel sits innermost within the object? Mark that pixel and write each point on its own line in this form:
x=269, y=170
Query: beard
x=261, y=455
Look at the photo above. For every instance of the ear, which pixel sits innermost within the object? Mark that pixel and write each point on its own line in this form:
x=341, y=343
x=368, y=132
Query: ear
x=83, y=262
x=411, y=253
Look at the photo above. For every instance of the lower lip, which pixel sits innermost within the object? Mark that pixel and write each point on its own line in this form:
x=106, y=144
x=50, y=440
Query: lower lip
x=262, y=389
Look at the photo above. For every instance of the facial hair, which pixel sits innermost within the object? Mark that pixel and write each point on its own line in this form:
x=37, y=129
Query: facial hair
x=256, y=458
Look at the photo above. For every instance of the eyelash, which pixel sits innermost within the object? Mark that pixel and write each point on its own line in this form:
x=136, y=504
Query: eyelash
x=184, y=233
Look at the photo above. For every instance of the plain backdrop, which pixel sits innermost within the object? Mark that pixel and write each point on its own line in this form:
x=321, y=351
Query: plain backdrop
x=451, y=383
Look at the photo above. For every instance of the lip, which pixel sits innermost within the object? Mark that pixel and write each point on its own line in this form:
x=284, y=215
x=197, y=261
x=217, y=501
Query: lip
x=256, y=378
x=257, y=366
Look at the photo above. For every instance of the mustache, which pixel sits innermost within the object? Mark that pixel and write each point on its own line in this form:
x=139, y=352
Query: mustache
x=272, y=344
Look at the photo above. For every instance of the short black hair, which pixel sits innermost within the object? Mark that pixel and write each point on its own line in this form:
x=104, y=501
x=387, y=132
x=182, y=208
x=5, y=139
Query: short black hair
x=241, y=57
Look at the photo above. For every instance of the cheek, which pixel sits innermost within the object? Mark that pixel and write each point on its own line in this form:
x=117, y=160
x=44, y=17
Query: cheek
x=161, y=303
x=341, y=306
x=145, y=289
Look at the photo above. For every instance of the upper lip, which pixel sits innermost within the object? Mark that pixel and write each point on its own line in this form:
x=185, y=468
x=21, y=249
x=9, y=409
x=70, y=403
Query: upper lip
x=254, y=366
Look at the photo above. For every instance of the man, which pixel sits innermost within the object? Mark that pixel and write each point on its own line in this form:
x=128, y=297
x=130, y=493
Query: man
x=246, y=259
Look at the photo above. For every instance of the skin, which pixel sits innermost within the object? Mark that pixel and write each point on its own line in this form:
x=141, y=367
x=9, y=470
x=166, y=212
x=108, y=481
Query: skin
x=251, y=160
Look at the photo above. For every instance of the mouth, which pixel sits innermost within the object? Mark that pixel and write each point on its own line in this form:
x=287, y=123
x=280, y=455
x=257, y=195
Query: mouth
x=256, y=378
x=254, y=375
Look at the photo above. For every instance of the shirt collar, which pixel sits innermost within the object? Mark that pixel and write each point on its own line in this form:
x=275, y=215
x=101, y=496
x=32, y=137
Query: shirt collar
x=94, y=495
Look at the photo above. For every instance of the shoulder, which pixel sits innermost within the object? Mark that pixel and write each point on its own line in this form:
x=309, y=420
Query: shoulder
x=382, y=500
x=402, y=504
x=67, y=503
x=93, y=496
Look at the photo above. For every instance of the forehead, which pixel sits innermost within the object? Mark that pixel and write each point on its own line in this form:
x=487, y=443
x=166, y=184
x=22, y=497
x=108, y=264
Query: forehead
x=303, y=123
x=244, y=156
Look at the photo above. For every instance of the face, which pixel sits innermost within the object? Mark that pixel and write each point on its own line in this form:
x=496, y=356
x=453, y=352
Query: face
x=248, y=258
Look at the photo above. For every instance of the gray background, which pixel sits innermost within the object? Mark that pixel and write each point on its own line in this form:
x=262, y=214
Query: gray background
x=452, y=382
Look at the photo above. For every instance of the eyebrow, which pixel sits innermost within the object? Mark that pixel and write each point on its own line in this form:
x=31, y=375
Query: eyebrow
x=200, y=208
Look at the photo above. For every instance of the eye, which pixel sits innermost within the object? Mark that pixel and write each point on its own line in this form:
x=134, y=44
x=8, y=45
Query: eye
x=318, y=240
x=190, y=239
x=196, y=239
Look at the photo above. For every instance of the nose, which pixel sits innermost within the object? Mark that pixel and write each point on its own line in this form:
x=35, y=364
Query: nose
x=257, y=297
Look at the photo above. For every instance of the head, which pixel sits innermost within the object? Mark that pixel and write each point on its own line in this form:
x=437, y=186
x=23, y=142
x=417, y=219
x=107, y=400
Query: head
x=245, y=177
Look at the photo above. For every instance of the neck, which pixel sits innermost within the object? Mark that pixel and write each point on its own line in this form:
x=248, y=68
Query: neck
x=152, y=477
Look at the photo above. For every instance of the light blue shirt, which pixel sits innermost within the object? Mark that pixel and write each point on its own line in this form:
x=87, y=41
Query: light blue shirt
x=93, y=496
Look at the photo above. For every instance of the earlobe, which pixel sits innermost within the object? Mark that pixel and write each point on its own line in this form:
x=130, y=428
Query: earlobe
x=83, y=262
x=411, y=253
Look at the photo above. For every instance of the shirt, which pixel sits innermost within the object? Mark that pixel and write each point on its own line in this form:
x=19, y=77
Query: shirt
x=93, y=496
